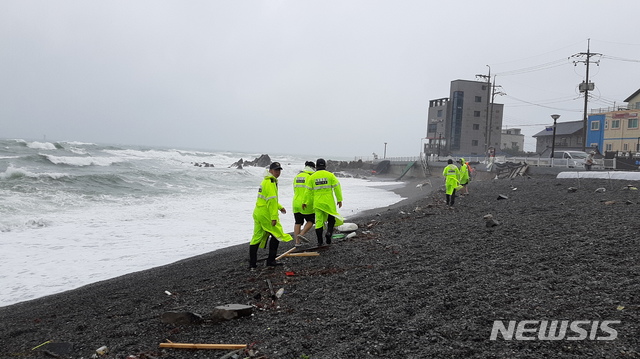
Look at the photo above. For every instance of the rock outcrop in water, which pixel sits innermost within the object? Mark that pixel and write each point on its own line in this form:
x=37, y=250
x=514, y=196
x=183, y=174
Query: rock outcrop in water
x=262, y=161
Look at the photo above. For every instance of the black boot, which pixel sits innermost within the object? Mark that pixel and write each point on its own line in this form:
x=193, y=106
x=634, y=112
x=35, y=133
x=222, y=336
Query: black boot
x=273, y=252
x=448, y=199
x=331, y=222
x=319, y=235
x=453, y=197
x=253, y=255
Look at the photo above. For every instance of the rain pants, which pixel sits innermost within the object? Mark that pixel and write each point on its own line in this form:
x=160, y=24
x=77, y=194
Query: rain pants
x=322, y=187
x=266, y=210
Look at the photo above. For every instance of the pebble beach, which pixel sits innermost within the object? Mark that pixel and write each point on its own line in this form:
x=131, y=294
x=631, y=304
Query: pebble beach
x=419, y=280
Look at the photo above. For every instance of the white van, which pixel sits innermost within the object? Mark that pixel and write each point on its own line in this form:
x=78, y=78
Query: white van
x=574, y=158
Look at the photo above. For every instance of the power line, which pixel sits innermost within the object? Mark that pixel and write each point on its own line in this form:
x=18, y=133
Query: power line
x=619, y=58
x=618, y=43
x=535, y=124
x=545, y=53
x=545, y=66
x=540, y=105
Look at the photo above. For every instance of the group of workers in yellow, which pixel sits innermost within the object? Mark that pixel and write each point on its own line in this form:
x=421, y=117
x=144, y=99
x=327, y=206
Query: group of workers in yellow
x=455, y=179
x=313, y=201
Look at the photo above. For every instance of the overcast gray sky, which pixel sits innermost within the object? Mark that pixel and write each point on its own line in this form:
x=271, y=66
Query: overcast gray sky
x=330, y=77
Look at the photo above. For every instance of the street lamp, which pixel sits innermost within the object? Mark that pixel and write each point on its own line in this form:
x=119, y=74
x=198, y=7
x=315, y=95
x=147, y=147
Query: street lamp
x=385, y=151
x=553, y=140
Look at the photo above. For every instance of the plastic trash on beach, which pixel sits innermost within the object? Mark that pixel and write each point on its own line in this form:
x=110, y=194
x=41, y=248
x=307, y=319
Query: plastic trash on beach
x=347, y=227
x=102, y=350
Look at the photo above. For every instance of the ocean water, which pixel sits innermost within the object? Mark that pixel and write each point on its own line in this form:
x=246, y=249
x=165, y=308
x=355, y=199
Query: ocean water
x=74, y=213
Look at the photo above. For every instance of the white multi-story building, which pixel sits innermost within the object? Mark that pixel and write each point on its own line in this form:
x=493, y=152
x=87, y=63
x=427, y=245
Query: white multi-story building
x=512, y=139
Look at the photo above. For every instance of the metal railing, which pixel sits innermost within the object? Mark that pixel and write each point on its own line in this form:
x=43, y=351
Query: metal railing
x=531, y=161
x=392, y=159
x=608, y=109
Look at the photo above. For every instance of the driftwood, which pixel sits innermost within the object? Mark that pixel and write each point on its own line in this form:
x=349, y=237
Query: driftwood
x=285, y=253
x=511, y=170
x=203, y=346
x=273, y=294
x=303, y=254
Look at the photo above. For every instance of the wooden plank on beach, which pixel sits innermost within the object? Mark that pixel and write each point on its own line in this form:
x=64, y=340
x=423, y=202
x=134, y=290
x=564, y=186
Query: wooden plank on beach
x=286, y=253
x=303, y=254
x=203, y=346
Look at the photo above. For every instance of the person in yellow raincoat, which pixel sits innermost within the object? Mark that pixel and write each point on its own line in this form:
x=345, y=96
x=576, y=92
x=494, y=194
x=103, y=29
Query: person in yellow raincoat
x=265, y=219
x=451, y=174
x=301, y=215
x=323, y=185
x=464, y=176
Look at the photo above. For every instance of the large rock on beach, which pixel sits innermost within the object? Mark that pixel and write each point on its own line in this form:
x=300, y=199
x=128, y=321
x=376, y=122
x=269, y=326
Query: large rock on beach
x=231, y=311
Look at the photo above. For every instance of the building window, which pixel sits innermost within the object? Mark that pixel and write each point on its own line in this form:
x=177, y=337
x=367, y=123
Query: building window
x=433, y=127
x=595, y=126
x=457, y=109
x=606, y=125
x=474, y=142
x=478, y=98
x=476, y=113
x=632, y=123
x=615, y=124
x=608, y=147
x=439, y=113
x=484, y=87
x=625, y=147
x=476, y=126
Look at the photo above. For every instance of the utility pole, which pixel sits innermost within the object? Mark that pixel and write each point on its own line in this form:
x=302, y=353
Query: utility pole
x=486, y=125
x=493, y=95
x=586, y=86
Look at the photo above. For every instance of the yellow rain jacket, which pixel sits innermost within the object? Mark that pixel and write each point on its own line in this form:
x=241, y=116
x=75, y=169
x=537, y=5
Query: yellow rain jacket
x=300, y=189
x=266, y=210
x=452, y=175
x=464, y=172
x=322, y=187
